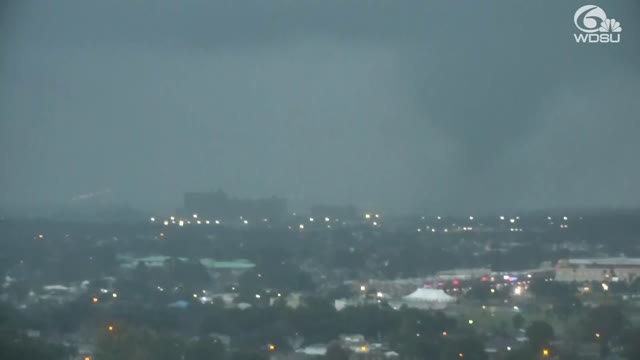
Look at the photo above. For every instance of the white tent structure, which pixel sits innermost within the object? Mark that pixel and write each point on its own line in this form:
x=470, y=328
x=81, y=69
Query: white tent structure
x=424, y=298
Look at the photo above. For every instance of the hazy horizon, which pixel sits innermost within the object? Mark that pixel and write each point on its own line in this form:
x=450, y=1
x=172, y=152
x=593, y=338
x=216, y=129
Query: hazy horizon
x=397, y=106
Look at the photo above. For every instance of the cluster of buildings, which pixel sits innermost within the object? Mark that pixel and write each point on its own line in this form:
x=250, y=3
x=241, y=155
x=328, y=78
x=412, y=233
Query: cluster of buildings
x=598, y=270
x=356, y=344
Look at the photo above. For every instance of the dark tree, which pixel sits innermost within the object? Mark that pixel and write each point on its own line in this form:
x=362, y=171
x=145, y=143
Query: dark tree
x=336, y=352
x=540, y=334
x=206, y=347
x=518, y=321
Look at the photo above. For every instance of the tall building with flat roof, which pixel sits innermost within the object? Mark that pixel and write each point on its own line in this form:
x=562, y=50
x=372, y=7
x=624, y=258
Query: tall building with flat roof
x=218, y=205
x=342, y=212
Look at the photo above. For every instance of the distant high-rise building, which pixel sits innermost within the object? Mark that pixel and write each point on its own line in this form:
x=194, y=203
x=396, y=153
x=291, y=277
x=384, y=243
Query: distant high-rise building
x=219, y=205
x=343, y=212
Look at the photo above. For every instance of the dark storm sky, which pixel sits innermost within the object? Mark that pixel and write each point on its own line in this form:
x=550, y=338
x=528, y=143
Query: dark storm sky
x=395, y=105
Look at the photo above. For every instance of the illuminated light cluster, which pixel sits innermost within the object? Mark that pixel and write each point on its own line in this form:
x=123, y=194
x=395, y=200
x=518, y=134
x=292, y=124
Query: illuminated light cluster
x=152, y=219
x=515, y=229
x=272, y=347
x=94, y=299
x=564, y=226
x=301, y=226
x=512, y=220
x=327, y=219
x=518, y=290
x=501, y=217
x=367, y=216
x=605, y=287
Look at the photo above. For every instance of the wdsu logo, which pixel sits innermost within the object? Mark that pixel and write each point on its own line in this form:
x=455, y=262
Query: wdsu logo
x=595, y=27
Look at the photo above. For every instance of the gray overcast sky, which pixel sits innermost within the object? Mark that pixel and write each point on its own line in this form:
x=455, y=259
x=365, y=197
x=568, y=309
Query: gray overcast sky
x=398, y=105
